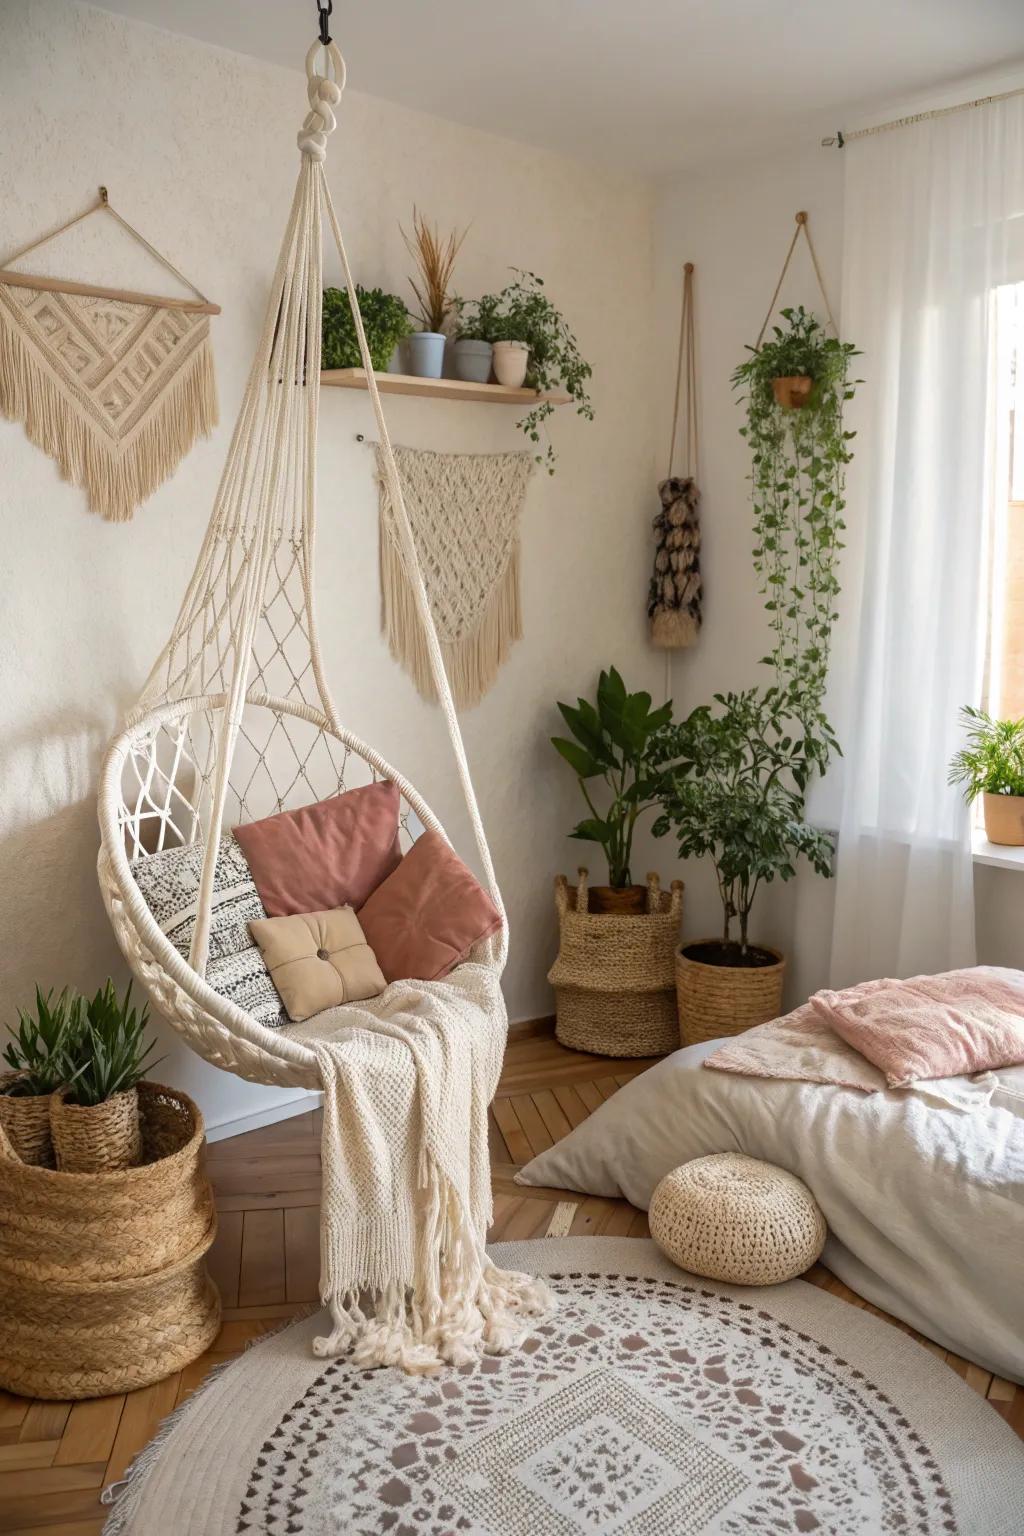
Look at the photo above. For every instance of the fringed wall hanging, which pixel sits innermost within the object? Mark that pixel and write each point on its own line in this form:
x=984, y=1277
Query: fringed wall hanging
x=676, y=591
x=464, y=510
x=115, y=386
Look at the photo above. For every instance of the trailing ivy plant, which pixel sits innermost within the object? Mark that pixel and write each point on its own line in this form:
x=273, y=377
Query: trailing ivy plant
x=385, y=321
x=523, y=312
x=734, y=776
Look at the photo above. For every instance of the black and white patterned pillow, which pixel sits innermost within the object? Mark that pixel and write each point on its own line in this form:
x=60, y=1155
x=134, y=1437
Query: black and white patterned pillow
x=169, y=883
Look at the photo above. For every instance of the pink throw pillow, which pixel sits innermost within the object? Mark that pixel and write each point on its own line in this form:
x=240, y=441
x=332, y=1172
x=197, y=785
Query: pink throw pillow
x=932, y=1026
x=427, y=916
x=333, y=854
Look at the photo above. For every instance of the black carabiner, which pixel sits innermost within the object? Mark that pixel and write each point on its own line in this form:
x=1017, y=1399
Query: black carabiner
x=324, y=12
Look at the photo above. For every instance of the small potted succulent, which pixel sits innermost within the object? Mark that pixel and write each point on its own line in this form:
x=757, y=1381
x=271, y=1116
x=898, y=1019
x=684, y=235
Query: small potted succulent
x=991, y=765
x=39, y=1058
x=435, y=258
x=385, y=320
x=532, y=346
x=94, y=1118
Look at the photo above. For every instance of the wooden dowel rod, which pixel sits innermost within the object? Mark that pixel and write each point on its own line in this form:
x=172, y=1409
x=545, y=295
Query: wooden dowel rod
x=65, y=285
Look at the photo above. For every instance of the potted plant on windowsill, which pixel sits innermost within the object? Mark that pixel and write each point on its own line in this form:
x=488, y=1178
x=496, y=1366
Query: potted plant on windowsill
x=385, y=320
x=992, y=765
x=435, y=258
x=94, y=1119
x=39, y=1058
x=532, y=345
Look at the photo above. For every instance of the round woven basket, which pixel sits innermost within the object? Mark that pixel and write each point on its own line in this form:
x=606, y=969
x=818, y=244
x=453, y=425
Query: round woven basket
x=716, y=1000
x=25, y=1121
x=614, y=980
x=103, y=1275
x=93, y=1138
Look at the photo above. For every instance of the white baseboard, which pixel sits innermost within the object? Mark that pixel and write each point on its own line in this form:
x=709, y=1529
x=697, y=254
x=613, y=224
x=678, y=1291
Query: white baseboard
x=301, y=1104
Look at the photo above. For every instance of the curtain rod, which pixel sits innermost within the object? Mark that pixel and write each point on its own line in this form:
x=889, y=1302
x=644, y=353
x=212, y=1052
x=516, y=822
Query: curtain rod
x=840, y=139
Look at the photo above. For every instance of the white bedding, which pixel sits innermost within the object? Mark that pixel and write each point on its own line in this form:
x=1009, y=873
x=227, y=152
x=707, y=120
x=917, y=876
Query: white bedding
x=924, y=1202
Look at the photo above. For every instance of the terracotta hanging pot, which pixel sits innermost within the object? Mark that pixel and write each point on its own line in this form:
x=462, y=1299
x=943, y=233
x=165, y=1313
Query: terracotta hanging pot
x=793, y=391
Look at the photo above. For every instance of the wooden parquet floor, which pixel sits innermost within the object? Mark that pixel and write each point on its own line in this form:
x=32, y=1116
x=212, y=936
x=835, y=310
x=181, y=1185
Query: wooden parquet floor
x=56, y=1457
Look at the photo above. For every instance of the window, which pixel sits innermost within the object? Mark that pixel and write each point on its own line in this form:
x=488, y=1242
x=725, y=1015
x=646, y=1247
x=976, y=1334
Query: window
x=1005, y=682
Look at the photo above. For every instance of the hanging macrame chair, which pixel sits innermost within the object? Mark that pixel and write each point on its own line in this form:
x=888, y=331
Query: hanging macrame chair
x=236, y=720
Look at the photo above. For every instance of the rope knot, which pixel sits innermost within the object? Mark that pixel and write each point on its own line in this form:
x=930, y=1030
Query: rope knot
x=324, y=95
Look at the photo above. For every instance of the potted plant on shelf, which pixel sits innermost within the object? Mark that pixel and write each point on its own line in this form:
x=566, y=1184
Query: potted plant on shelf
x=435, y=259
x=473, y=352
x=533, y=345
x=95, y=1118
x=734, y=775
x=39, y=1058
x=992, y=765
x=385, y=320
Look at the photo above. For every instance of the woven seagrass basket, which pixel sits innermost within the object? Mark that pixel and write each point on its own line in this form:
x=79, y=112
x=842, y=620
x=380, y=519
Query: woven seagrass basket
x=614, y=980
x=25, y=1121
x=716, y=1000
x=103, y=1275
x=96, y=1138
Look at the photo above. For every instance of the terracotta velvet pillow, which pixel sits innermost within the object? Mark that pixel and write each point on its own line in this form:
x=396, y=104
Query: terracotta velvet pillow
x=427, y=916
x=333, y=854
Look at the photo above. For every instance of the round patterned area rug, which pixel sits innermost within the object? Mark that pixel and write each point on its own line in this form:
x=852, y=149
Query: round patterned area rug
x=650, y=1404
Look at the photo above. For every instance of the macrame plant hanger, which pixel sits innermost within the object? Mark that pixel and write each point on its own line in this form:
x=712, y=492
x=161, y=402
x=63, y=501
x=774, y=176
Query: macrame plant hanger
x=802, y=226
x=674, y=604
x=114, y=385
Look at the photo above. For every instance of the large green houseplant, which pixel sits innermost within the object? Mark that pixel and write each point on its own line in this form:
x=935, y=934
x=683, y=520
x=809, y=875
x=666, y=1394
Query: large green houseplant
x=990, y=766
x=385, y=320
x=611, y=743
x=734, y=774
x=522, y=313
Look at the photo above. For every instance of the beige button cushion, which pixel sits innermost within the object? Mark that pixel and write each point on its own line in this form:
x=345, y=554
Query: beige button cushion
x=733, y=1218
x=318, y=960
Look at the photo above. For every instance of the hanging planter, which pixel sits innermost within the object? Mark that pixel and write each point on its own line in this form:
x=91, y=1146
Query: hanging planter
x=675, y=594
x=793, y=391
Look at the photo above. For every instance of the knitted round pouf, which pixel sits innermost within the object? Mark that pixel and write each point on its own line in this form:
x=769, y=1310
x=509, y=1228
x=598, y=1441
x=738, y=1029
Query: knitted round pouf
x=733, y=1218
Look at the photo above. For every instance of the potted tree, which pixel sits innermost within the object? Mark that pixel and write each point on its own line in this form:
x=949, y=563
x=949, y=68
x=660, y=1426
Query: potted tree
x=435, y=259
x=385, y=320
x=991, y=765
x=532, y=344
x=39, y=1059
x=94, y=1119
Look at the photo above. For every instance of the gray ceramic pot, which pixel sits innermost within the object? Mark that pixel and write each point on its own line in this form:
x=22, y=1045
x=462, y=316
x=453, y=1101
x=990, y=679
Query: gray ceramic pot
x=473, y=361
x=426, y=354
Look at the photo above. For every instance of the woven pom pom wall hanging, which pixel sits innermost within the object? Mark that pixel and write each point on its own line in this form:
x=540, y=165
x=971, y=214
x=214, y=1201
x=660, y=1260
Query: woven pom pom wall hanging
x=115, y=386
x=675, y=595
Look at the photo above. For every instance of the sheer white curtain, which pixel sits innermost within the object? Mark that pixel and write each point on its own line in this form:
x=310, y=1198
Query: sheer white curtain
x=933, y=225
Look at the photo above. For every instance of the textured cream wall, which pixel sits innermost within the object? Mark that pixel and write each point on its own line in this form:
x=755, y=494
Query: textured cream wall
x=197, y=147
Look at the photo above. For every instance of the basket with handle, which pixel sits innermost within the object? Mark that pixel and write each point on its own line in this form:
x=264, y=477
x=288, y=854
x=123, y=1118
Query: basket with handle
x=614, y=978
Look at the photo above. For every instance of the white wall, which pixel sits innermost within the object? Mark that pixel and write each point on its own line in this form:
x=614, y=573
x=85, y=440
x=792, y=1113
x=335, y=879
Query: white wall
x=735, y=223
x=197, y=147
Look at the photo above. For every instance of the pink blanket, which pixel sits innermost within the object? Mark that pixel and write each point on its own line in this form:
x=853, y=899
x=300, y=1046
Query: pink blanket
x=889, y=1033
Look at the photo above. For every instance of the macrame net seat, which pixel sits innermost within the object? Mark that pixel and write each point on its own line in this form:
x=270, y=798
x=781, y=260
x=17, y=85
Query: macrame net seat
x=236, y=720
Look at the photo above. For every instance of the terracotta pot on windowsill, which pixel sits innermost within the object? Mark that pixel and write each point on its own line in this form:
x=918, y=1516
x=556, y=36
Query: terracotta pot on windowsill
x=792, y=391
x=1004, y=819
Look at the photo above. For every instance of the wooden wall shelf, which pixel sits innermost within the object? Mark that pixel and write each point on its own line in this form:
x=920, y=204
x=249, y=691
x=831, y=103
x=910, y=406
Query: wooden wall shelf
x=436, y=389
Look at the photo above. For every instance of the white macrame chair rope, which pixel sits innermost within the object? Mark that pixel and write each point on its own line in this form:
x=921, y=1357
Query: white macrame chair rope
x=265, y=509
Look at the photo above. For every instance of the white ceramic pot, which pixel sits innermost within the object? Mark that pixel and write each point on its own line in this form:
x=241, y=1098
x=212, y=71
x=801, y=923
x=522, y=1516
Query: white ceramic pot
x=510, y=360
x=426, y=354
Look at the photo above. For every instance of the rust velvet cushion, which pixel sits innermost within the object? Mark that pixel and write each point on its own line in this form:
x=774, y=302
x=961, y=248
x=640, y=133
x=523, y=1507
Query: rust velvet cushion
x=332, y=854
x=427, y=916
x=318, y=960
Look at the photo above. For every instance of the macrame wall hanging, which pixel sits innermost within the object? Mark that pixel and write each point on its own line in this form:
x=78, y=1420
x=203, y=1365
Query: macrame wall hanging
x=115, y=386
x=464, y=510
x=675, y=594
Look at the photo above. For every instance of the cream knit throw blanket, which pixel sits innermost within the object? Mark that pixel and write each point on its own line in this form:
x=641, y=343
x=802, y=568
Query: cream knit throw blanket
x=464, y=511
x=406, y=1179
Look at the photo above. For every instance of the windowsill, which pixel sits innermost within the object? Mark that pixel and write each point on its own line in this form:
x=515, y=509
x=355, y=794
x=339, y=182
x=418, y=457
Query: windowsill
x=996, y=855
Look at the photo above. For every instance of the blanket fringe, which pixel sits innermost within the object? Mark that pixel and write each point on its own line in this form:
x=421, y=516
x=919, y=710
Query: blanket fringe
x=116, y=479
